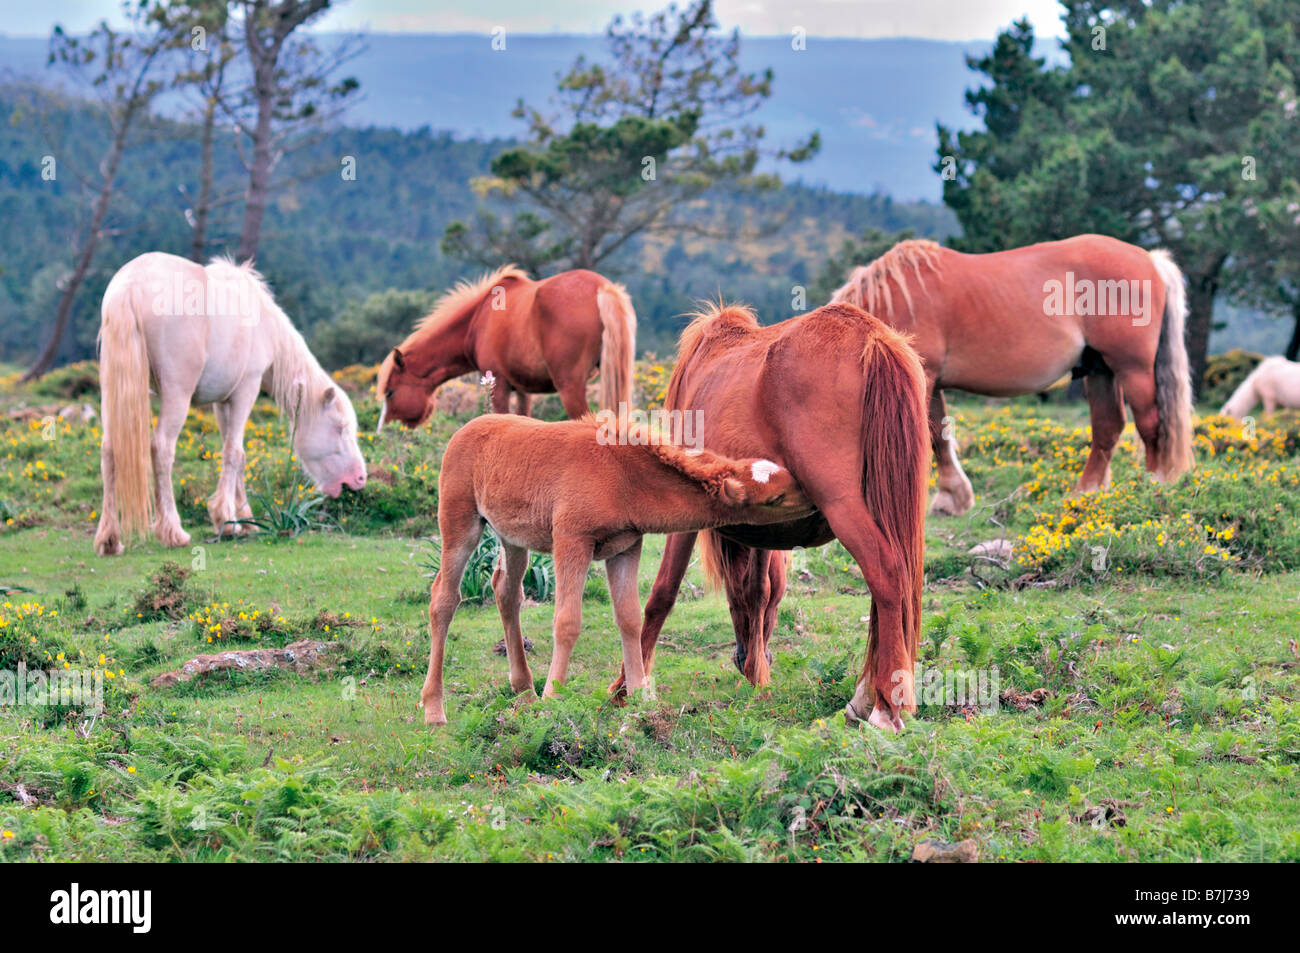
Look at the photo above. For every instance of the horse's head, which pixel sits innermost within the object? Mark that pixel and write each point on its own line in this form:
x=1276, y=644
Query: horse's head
x=406, y=395
x=325, y=439
x=764, y=492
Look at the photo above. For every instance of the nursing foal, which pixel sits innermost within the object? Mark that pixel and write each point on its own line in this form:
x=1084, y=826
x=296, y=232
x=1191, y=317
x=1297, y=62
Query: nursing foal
x=566, y=489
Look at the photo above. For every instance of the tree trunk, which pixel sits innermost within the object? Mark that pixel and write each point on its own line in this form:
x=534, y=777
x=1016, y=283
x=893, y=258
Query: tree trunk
x=46, y=359
x=259, y=175
x=1202, y=287
x=1293, y=346
x=198, y=247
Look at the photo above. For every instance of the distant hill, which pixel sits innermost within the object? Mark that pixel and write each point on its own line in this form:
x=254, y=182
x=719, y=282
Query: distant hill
x=328, y=243
x=875, y=102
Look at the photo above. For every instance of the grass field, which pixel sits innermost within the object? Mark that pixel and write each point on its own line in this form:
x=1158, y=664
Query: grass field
x=1160, y=623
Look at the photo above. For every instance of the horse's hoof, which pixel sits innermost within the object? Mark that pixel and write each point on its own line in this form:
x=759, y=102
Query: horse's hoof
x=112, y=547
x=882, y=718
x=435, y=719
x=879, y=718
x=945, y=504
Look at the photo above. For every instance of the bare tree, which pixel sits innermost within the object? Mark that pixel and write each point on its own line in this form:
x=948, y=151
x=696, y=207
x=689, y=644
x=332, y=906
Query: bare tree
x=125, y=69
x=208, y=75
x=288, y=95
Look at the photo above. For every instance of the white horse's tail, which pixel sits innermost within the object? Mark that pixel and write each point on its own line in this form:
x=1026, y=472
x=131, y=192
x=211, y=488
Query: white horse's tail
x=124, y=393
x=617, y=345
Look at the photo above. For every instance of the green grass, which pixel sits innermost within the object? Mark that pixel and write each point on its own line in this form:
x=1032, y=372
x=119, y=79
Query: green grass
x=1173, y=691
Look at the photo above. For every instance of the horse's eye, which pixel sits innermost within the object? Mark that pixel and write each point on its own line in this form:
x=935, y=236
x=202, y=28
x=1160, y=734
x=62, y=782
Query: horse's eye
x=776, y=499
x=388, y=394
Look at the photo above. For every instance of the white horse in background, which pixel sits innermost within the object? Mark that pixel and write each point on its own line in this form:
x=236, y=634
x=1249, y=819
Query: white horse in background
x=1275, y=383
x=205, y=335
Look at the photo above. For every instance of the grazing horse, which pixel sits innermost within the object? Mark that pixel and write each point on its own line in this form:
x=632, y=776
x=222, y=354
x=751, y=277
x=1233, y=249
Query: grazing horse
x=534, y=337
x=1013, y=322
x=1274, y=383
x=567, y=489
x=204, y=335
x=839, y=399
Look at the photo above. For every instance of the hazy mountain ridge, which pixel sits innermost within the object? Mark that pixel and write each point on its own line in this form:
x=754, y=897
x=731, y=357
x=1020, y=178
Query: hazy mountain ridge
x=875, y=102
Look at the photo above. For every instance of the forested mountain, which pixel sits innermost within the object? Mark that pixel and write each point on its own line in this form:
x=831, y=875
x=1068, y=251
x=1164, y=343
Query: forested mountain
x=331, y=241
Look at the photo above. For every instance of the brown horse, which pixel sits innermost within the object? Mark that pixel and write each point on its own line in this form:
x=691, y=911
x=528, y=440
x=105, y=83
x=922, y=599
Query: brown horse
x=1013, y=322
x=564, y=488
x=533, y=337
x=839, y=398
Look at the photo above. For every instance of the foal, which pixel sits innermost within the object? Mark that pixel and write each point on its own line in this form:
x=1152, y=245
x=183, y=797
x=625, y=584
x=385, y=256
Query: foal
x=553, y=487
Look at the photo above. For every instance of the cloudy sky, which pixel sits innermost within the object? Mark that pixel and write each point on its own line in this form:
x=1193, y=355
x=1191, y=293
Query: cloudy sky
x=935, y=19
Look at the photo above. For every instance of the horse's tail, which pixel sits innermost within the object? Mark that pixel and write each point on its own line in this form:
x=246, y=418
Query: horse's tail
x=617, y=345
x=124, y=394
x=711, y=559
x=895, y=474
x=1172, y=378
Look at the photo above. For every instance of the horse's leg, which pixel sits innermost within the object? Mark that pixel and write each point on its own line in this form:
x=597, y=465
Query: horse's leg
x=954, y=495
x=460, y=528
x=887, y=673
x=620, y=572
x=232, y=418
x=776, y=575
x=108, y=536
x=748, y=583
x=523, y=403
x=573, y=394
x=175, y=404
x=1139, y=389
x=663, y=595
x=1106, y=404
x=572, y=557
x=500, y=396
x=508, y=587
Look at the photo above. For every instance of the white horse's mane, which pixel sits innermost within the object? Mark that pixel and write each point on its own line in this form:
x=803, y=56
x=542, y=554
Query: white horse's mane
x=292, y=361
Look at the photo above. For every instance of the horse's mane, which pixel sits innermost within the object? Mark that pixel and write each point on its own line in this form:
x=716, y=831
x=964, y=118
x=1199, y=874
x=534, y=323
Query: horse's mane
x=868, y=285
x=460, y=296
x=708, y=469
x=713, y=317
x=292, y=360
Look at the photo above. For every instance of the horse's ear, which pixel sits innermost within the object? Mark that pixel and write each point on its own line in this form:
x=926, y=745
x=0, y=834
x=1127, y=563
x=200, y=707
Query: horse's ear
x=398, y=362
x=328, y=397
x=733, y=491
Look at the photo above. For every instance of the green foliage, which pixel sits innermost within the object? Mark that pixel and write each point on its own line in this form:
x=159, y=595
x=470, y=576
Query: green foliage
x=476, y=584
x=287, y=512
x=647, y=132
x=168, y=595
x=365, y=332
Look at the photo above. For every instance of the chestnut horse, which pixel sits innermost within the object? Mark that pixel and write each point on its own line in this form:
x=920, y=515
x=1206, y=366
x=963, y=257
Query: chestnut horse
x=534, y=337
x=1013, y=322
x=839, y=399
x=563, y=488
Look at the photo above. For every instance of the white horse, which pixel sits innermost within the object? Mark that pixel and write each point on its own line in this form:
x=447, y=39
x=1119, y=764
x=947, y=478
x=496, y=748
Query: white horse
x=1275, y=383
x=205, y=335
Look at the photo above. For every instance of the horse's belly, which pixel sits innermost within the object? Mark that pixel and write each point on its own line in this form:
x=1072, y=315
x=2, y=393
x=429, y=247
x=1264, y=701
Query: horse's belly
x=1009, y=368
